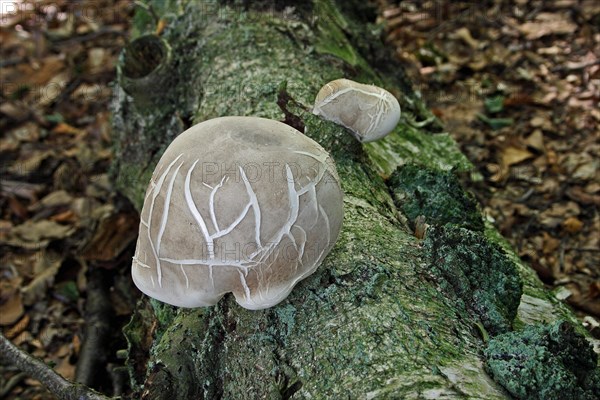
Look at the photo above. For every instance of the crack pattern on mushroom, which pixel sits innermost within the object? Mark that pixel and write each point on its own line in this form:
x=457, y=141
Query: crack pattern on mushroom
x=287, y=224
x=370, y=112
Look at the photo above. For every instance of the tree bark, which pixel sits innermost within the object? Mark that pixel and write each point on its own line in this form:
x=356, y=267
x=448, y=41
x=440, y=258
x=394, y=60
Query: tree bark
x=372, y=322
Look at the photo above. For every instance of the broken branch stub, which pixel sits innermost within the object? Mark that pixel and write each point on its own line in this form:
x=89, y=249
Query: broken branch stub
x=236, y=204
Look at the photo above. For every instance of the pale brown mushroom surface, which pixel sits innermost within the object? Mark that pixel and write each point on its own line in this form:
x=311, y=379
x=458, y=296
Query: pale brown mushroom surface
x=368, y=111
x=236, y=204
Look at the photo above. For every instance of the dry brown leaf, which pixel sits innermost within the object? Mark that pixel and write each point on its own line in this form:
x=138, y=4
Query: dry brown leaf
x=547, y=24
x=53, y=89
x=37, y=231
x=54, y=199
x=65, y=216
x=88, y=92
x=17, y=208
x=550, y=244
x=28, y=132
x=63, y=31
x=114, y=233
x=535, y=140
x=5, y=227
x=22, y=189
x=30, y=163
x=581, y=166
x=584, y=296
x=557, y=213
x=65, y=368
x=48, y=333
x=514, y=155
x=542, y=121
x=27, y=74
x=97, y=58
x=551, y=51
x=64, y=128
x=465, y=35
x=572, y=225
x=46, y=268
x=580, y=195
x=63, y=351
x=18, y=328
x=11, y=303
x=8, y=143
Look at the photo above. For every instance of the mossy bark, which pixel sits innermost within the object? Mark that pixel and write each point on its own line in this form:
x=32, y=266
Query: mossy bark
x=372, y=321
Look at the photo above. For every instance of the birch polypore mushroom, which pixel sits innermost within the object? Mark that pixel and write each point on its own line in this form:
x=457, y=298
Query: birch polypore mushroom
x=370, y=112
x=236, y=204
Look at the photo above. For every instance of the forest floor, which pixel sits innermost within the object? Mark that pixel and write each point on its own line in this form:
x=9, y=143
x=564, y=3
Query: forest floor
x=517, y=83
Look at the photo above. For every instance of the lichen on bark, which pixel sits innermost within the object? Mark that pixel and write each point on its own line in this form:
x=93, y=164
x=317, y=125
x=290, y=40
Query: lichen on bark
x=545, y=362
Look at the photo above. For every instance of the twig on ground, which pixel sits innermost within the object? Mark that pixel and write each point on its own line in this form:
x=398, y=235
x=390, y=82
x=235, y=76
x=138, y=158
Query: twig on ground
x=12, y=382
x=59, y=386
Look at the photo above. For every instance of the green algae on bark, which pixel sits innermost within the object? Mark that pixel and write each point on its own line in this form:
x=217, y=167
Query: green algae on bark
x=437, y=195
x=408, y=144
x=545, y=362
x=480, y=275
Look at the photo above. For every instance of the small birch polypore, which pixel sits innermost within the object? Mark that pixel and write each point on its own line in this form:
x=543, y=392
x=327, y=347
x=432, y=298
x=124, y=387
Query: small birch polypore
x=370, y=112
x=236, y=204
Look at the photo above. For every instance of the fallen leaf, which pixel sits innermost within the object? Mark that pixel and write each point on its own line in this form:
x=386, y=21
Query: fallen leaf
x=585, y=296
x=550, y=243
x=547, y=24
x=464, y=34
x=114, y=233
x=64, y=128
x=5, y=227
x=18, y=328
x=53, y=89
x=557, y=213
x=514, y=155
x=36, y=231
x=11, y=304
x=572, y=225
x=54, y=199
x=28, y=132
x=30, y=163
x=96, y=60
x=581, y=166
x=535, y=140
x=578, y=194
x=26, y=74
x=65, y=368
x=17, y=208
x=65, y=216
x=542, y=121
x=46, y=268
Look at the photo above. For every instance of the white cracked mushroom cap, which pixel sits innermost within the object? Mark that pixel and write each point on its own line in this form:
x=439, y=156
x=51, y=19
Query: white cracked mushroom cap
x=236, y=204
x=370, y=112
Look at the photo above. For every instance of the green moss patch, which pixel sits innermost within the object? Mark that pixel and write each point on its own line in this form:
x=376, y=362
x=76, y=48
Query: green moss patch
x=478, y=272
x=437, y=195
x=545, y=362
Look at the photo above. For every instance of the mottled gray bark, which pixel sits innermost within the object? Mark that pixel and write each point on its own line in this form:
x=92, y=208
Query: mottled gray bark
x=371, y=322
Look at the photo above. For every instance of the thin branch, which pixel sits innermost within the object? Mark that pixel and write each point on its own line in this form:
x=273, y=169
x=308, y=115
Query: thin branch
x=35, y=368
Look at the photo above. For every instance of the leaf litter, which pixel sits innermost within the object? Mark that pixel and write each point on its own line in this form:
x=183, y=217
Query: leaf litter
x=59, y=215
